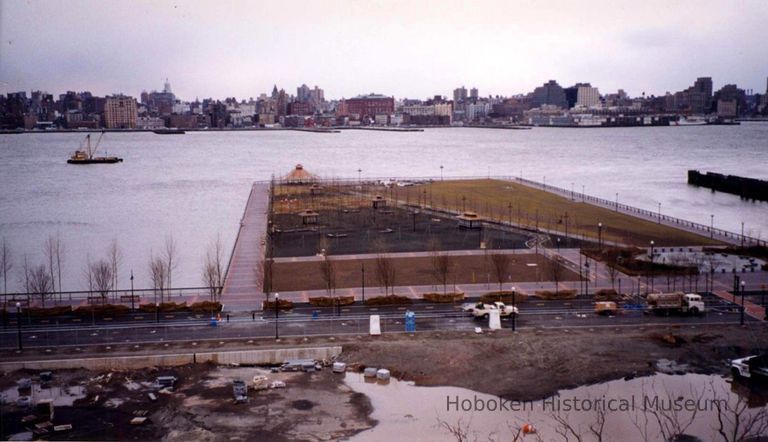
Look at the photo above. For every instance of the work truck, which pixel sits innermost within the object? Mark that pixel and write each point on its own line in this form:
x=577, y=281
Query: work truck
x=677, y=302
x=483, y=310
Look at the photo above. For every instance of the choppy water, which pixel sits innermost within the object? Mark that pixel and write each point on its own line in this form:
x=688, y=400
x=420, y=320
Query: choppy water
x=195, y=185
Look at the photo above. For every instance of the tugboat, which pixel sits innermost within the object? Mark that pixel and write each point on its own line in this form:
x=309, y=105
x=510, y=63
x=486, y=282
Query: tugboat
x=85, y=156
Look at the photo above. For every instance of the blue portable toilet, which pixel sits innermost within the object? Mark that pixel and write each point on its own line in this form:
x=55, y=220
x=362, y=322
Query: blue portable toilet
x=410, y=321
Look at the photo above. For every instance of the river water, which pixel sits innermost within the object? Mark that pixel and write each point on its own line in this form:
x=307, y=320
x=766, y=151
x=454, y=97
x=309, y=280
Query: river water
x=195, y=186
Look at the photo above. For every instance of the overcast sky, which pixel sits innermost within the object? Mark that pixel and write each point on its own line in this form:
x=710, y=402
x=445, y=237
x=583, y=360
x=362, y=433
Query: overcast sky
x=408, y=49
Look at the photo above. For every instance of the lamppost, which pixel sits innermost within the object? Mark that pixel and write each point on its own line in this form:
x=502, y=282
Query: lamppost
x=514, y=306
x=277, y=314
x=441, y=172
x=132, y=305
x=157, y=312
x=652, y=265
x=600, y=236
x=586, y=278
x=659, y=213
x=362, y=279
x=742, y=234
x=741, y=321
x=571, y=191
x=617, y=201
x=711, y=225
x=582, y=193
x=558, y=244
x=18, y=325
x=359, y=177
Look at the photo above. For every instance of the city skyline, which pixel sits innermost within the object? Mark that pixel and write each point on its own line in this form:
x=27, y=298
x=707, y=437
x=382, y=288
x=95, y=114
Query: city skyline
x=398, y=49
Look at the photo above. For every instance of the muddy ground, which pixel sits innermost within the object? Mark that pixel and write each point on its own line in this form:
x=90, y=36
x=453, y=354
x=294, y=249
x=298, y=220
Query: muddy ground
x=534, y=364
x=313, y=406
x=525, y=365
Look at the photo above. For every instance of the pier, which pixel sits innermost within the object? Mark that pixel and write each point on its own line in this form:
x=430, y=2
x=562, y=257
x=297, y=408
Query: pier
x=242, y=284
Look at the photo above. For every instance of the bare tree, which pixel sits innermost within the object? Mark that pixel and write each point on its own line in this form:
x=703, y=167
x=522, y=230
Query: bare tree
x=115, y=258
x=6, y=263
x=158, y=273
x=26, y=270
x=102, y=278
x=58, y=251
x=735, y=420
x=88, y=272
x=500, y=263
x=441, y=263
x=611, y=266
x=328, y=273
x=49, y=247
x=385, y=267
x=40, y=282
x=171, y=254
x=212, y=271
x=264, y=276
x=556, y=270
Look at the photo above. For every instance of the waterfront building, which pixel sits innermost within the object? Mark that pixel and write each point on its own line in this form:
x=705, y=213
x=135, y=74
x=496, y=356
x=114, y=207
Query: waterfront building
x=587, y=96
x=460, y=95
x=120, y=112
x=302, y=93
x=550, y=93
x=300, y=108
x=730, y=92
x=727, y=108
x=367, y=106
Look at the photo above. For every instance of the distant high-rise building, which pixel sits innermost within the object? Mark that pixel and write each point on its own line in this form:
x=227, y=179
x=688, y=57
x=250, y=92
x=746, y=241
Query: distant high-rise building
x=587, y=96
x=274, y=92
x=167, y=87
x=302, y=93
x=731, y=95
x=120, y=112
x=550, y=93
x=460, y=95
x=473, y=93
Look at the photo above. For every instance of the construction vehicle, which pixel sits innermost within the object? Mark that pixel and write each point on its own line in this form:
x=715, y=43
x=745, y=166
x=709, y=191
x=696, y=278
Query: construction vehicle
x=606, y=308
x=482, y=310
x=240, y=390
x=752, y=367
x=677, y=302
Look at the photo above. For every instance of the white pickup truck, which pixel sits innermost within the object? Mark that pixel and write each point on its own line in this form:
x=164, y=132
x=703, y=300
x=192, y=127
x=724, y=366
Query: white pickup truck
x=482, y=310
x=752, y=367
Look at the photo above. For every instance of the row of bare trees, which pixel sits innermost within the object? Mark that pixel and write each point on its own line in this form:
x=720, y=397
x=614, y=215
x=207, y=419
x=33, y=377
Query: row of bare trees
x=101, y=275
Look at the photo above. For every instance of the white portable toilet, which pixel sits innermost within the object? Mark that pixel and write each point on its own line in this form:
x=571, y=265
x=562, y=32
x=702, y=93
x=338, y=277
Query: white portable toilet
x=494, y=320
x=375, y=329
x=382, y=374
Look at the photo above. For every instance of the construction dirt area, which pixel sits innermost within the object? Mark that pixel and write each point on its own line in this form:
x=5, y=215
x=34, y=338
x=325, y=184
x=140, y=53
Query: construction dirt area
x=523, y=365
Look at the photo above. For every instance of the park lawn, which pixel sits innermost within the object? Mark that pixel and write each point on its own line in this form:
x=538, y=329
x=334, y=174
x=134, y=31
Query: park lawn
x=472, y=269
x=491, y=198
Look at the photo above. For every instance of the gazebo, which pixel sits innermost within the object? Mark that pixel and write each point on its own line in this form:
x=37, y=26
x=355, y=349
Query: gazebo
x=469, y=220
x=379, y=202
x=309, y=216
x=300, y=176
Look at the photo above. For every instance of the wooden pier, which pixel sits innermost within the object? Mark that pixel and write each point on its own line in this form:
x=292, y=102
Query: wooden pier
x=242, y=284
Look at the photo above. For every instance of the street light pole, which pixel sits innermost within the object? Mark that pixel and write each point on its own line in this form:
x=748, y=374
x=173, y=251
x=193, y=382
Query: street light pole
x=600, y=236
x=277, y=314
x=711, y=225
x=617, y=201
x=659, y=213
x=157, y=312
x=514, y=305
x=362, y=279
x=132, y=299
x=18, y=325
x=441, y=172
x=652, y=254
x=742, y=303
x=742, y=234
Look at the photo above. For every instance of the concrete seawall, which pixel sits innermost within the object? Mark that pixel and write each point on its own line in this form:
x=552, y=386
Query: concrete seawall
x=250, y=357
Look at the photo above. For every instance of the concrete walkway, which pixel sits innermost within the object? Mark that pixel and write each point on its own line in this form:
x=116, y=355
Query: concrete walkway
x=242, y=286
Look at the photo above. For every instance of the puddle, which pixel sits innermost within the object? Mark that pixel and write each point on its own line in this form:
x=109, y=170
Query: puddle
x=630, y=409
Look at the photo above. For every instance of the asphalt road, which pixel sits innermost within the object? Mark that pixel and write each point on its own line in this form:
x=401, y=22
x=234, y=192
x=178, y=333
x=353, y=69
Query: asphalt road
x=354, y=319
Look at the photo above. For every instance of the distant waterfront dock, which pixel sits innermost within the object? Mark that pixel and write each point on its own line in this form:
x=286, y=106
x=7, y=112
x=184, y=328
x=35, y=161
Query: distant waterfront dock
x=242, y=286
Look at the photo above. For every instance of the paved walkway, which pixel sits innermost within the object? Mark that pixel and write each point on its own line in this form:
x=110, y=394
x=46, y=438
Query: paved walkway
x=750, y=308
x=242, y=288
